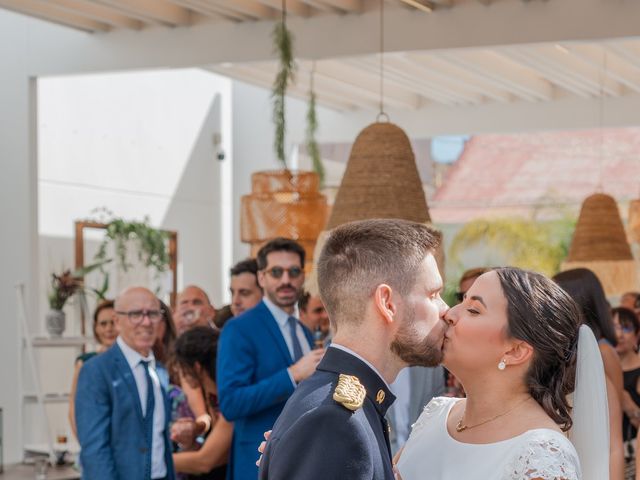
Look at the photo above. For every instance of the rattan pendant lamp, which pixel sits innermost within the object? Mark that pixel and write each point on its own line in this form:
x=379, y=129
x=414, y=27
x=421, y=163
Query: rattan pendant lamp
x=600, y=244
x=283, y=203
x=381, y=179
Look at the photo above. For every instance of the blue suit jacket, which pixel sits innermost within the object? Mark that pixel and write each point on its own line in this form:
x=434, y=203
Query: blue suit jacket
x=253, y=383
x=110, y=423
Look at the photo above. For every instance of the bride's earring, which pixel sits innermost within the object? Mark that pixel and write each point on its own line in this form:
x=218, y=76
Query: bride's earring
x=502, y=365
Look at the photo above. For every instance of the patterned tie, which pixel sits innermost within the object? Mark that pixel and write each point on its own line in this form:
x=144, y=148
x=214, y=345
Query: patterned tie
x=148, y=417
x=297, y=349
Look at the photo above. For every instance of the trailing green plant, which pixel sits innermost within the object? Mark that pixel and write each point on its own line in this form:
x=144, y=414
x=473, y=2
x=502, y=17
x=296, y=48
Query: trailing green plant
x=152, y=251
x=529, y=244
x=283, y=46
x=312, y=126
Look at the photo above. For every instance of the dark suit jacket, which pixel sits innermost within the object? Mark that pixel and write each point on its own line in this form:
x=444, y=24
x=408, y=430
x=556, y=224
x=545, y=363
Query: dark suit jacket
x=253, y=383
x=110, y=424
x=317, y=438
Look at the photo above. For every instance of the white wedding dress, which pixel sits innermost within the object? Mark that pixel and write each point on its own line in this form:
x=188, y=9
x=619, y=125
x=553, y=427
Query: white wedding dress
x=432, y=454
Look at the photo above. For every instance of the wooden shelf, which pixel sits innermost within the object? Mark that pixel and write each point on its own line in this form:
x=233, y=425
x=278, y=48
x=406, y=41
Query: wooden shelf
x=48, y=397
x=61, y=341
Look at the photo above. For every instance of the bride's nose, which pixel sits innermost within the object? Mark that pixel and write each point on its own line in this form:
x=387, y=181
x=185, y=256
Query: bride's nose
x=451, y=317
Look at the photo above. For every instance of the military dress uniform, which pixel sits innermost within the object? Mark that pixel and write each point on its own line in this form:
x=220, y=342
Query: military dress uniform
x=333, y=426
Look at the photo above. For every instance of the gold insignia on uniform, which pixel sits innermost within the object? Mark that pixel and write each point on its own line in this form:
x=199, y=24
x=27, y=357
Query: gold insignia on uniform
x=349, y=392
x=380, y=396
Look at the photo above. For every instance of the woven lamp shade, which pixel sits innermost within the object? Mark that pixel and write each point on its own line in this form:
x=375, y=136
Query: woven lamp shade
x=381, y=181
x=600, y=244
x=633, y=224
x=283, y=203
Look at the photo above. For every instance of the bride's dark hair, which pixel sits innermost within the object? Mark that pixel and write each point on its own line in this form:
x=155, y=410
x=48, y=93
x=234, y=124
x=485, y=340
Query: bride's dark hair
x=540, y=313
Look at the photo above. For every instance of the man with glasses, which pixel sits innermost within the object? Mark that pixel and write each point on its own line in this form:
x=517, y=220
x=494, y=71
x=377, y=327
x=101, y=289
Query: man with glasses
x=121, y=409
x=263, y=354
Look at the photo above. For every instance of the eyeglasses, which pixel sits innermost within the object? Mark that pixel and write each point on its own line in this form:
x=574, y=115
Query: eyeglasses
x=624, y=328
x=136, y=316
x=277, y=272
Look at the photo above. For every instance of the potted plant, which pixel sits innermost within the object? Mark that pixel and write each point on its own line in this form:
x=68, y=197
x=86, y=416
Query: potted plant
x=63, y=287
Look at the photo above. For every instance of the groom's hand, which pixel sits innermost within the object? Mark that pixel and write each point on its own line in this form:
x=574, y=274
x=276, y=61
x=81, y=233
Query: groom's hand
x=304, y=367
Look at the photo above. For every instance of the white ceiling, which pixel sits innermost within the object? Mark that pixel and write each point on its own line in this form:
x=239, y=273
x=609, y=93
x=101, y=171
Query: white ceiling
x=442, y=53
x=463, y=77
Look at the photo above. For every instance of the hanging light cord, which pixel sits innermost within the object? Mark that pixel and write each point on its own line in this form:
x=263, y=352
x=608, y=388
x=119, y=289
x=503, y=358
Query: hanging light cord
x=603, y=72
x=382, y=113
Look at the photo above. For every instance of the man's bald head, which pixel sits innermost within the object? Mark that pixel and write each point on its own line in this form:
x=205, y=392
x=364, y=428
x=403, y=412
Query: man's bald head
x=193, y=308
x=137, y=316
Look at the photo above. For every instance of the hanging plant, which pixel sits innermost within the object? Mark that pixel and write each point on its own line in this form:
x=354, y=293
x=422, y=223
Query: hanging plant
x=152, y=251
x=312, y=126
x=283, y=45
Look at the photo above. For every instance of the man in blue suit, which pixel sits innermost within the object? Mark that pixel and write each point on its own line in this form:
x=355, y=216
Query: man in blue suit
x=263, y=354
x=122, y=411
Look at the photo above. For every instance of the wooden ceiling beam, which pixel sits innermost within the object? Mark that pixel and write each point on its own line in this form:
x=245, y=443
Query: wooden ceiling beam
x=158, y=11
x=45, y=11
x=97, y=12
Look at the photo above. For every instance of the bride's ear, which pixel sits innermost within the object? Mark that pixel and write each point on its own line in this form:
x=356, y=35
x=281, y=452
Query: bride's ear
x=519, y=353
x=384, y=302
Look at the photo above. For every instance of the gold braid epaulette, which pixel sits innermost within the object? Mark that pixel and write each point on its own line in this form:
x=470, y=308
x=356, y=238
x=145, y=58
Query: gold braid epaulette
x=349, y=392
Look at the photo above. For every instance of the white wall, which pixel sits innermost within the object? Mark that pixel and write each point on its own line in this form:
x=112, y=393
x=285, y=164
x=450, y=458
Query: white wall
x=140, y=144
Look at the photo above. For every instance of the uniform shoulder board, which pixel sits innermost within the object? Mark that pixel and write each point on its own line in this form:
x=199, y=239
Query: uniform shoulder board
x=349, y=392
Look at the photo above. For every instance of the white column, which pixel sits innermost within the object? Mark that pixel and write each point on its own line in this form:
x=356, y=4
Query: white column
x=18, y=216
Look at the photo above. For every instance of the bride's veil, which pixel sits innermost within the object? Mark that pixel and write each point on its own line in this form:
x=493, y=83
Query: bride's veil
x=590, y=432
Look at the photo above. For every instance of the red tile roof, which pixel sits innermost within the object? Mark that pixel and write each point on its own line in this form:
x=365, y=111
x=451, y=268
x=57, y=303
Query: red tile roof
x=510, y=174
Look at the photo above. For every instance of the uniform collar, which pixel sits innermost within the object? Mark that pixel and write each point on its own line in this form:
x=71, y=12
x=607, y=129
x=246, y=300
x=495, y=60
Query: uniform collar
x=342, y=360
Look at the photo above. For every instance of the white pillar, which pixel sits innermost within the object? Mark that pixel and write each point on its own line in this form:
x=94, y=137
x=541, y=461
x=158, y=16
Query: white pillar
x=18, y=216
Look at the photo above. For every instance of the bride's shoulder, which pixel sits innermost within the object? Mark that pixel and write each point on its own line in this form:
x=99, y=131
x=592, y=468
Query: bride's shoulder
x=433, y=409
x=544, y=453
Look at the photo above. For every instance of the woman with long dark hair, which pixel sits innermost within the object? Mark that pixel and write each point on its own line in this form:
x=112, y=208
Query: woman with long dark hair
x=195, y=357
x=586, y=290
x=514, y=343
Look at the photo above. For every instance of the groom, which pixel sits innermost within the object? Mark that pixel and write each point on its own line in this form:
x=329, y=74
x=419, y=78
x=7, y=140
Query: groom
x=381, y=287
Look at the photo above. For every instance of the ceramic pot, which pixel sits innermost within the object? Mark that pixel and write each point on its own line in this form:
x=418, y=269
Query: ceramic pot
x=55, y=322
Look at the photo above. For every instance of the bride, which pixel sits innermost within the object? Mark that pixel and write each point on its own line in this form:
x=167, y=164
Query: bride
x=513, y=343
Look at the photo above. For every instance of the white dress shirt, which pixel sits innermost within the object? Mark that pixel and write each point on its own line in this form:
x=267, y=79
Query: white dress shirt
x=282, y=319
x=158, y=464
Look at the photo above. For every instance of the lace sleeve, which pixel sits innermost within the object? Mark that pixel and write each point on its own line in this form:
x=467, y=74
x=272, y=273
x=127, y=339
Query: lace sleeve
x=546, y=455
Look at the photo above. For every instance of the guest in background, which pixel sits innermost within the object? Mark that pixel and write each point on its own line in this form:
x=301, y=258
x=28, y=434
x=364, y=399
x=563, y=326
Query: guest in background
x=628, y=331
x=263, y=354
x=246, y=292
x=414, y=388
x=193, y=308
x=105, y=332
x=121, y=408
x=195, y=354
x=586, y=290
x=314, y=316
x=630, y=300
x=164, y=344
x=223, y=315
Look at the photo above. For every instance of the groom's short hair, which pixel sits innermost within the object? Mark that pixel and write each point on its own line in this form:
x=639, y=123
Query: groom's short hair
x=359, y=256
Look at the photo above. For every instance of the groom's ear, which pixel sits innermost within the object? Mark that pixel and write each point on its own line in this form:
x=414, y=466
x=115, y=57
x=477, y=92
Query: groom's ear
x=519, y=353
x=384, y=303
